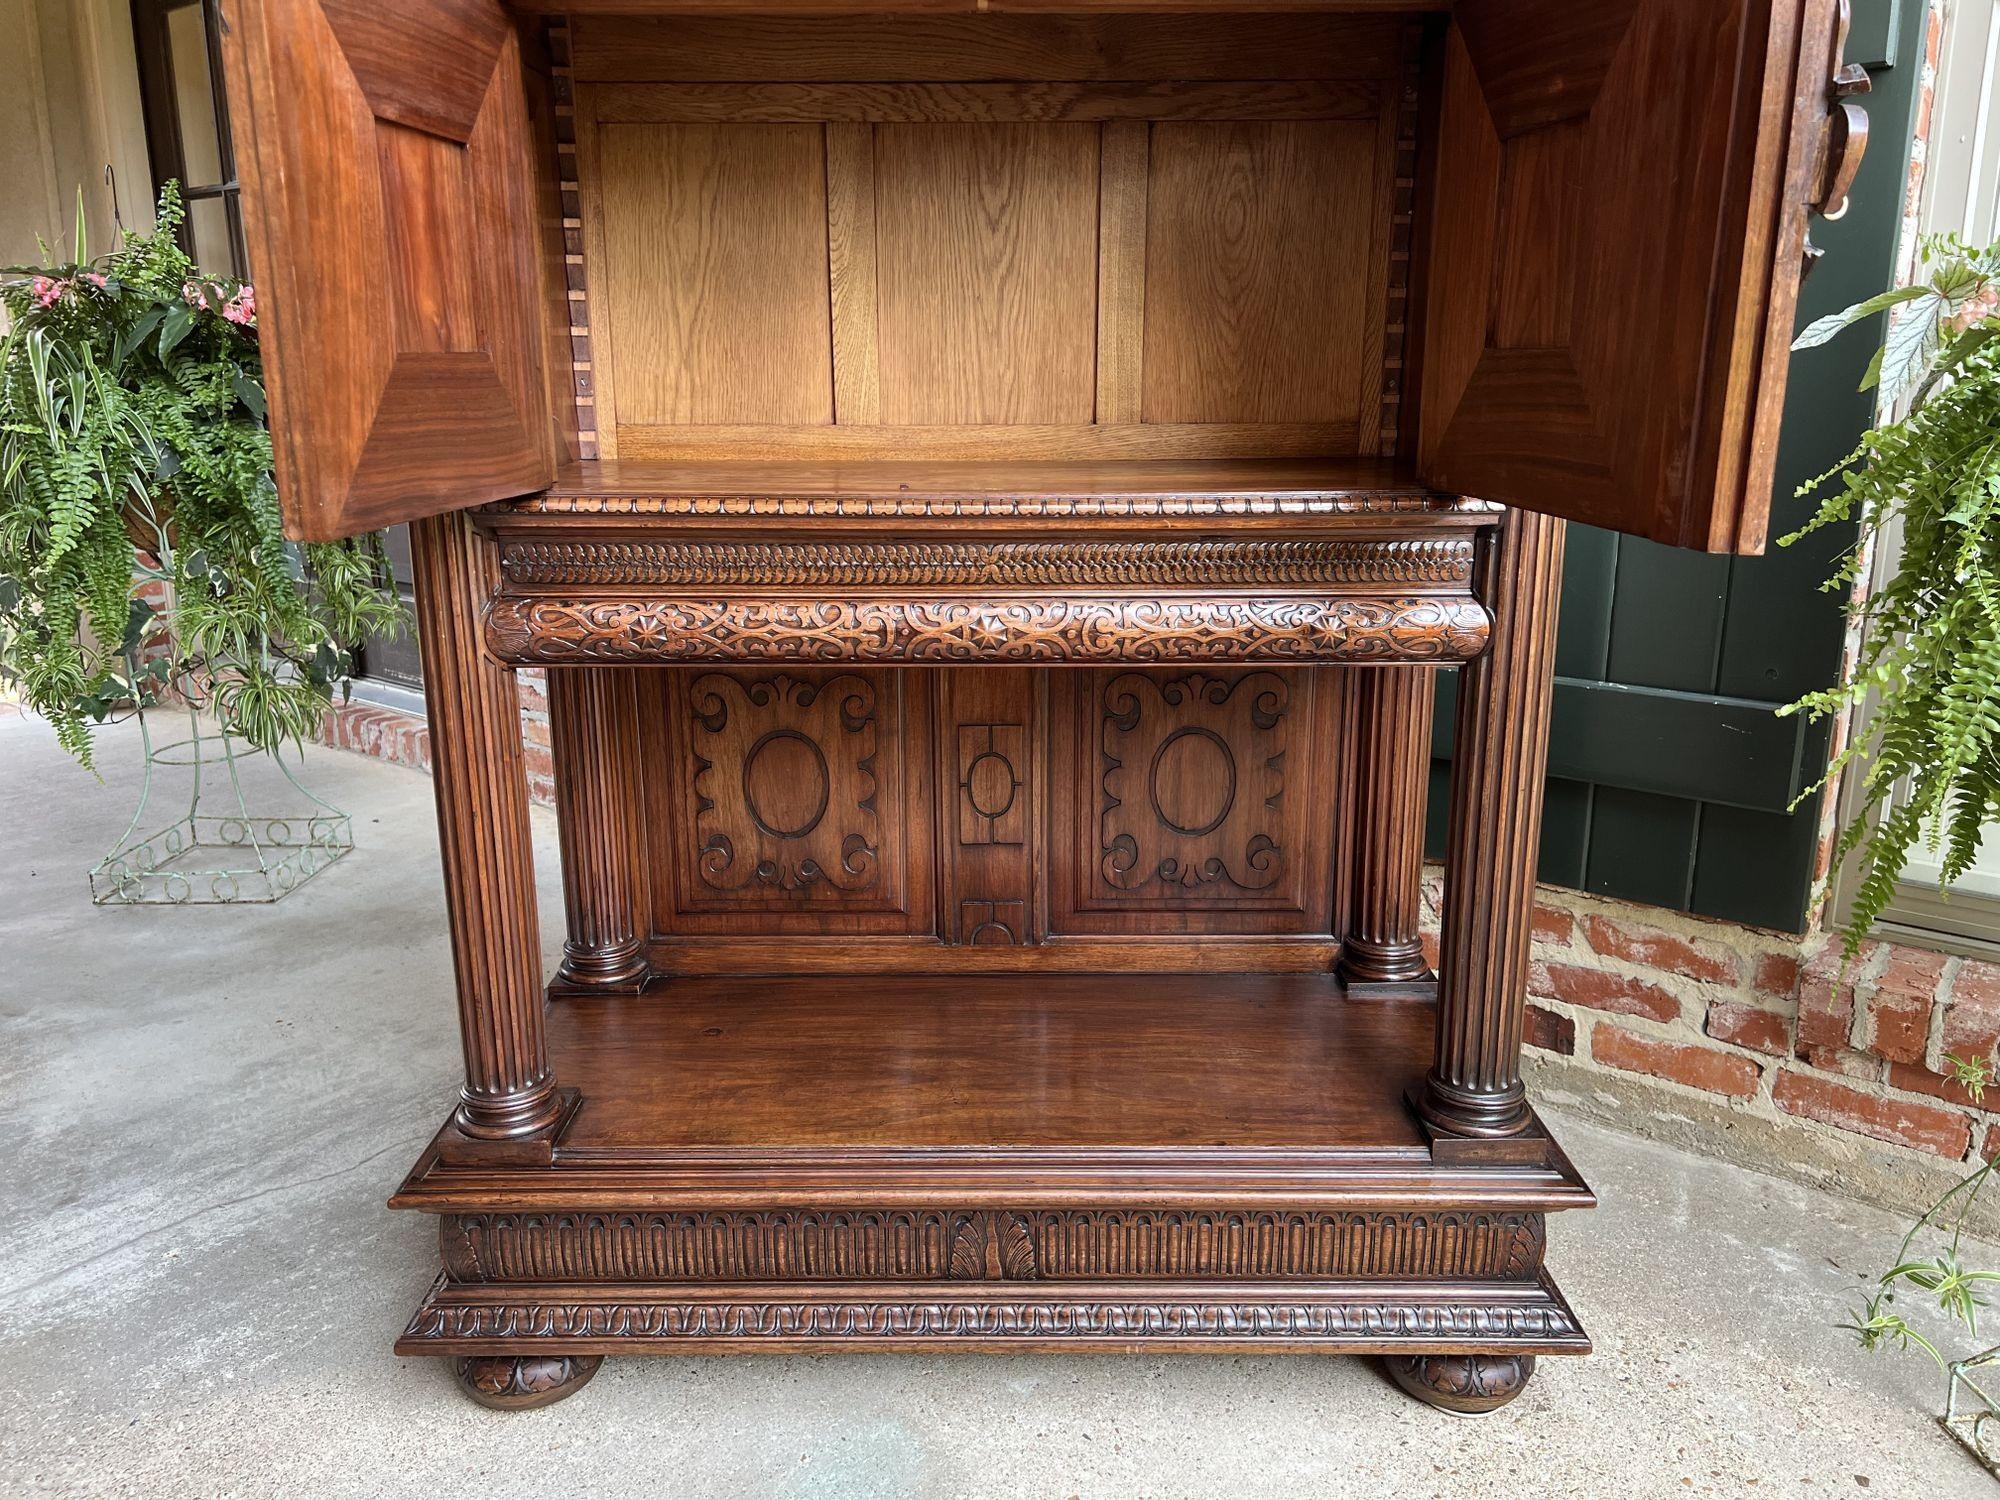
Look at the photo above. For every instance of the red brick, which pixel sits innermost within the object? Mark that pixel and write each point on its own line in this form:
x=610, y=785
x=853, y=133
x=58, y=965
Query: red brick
x=1921, y=1080
x=1844, y=1061
x=1550, y=1030
x=1749, y=1026
x=1903, y=1122
x=1660, y=950
x=539, y=762
x=1826, y=1000
x=1601, y=990
x=1899, y=1008
x=1777, y=975
x=1972, y=1011
x=1430, y=942
x=1705, y=1068
x=1553, y=925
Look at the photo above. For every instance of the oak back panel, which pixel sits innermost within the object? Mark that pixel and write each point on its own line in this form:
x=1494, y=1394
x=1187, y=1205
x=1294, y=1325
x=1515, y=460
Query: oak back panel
x=1023, y=237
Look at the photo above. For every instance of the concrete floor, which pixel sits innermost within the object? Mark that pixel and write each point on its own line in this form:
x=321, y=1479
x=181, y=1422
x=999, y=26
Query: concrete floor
x=207, y=1108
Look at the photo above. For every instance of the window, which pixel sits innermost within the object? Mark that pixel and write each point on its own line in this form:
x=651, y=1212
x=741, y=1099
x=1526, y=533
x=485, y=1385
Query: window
x=187, y=125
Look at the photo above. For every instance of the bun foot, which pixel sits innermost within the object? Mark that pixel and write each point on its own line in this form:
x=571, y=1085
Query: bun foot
x=1467, y=1384
x=517, y=1382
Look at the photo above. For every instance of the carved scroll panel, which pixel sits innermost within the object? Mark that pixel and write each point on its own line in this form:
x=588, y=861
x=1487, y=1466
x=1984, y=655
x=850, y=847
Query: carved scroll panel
x=970, y=817
x=1198, y=801
x=793, y=800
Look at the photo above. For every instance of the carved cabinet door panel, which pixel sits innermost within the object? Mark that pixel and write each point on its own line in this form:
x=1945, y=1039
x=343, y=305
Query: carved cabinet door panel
x=1197, y=801
x=1620, y=197
x=793, y=801
x=390, y=205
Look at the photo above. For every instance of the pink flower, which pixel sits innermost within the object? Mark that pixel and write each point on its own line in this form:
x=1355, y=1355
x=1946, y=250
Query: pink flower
x=96, y=279
x=1983, y=305
x=193, y=294
x=49, y=290
x=241, y=309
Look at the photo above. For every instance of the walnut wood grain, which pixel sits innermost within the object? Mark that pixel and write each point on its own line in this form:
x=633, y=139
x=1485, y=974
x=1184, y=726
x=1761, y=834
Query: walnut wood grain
x=482, y=801
x=1498, y=768
x=388, y=164
x=597, y=746
x=1081, y=1061
x=1545, y=386
x=1383, y=944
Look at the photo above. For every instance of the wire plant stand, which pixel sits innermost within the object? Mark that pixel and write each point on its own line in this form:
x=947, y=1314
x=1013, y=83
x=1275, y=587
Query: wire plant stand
x=1971, y=1413
x=217, y=852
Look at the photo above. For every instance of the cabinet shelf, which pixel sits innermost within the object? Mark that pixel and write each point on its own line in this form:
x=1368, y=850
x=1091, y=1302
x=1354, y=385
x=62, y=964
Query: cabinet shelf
x=1099, y=1089
x=1152, y=493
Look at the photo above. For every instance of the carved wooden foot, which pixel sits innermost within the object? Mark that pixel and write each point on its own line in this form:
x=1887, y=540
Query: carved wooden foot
x=517, y=1382
x=1467, y=1384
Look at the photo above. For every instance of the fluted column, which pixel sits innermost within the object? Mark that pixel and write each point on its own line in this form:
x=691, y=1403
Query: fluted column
x=593, y=715
x=482, y=803
x=1383, y=944
x=1474, y=1086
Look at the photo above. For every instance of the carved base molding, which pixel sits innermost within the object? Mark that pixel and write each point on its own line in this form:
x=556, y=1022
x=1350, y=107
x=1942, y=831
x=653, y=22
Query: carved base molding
x=819, y=1245
x=1364, y=1318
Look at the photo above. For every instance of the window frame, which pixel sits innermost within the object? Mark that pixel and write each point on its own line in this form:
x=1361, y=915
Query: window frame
x=159, y=94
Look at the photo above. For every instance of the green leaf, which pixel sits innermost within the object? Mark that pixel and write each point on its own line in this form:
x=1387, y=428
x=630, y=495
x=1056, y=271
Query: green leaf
x=179, y=323
x=249, y=392
x=1913, y=339
x=141, y=329
x=1822, y=330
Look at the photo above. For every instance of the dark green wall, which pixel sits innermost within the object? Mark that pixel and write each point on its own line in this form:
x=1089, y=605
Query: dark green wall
x=1669, y=773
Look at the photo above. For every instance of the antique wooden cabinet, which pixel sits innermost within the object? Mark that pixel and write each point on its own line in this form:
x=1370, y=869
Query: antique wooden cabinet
x=990, y=481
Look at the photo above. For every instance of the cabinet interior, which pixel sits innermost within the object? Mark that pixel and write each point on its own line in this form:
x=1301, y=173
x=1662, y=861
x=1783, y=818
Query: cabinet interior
x=988, y=237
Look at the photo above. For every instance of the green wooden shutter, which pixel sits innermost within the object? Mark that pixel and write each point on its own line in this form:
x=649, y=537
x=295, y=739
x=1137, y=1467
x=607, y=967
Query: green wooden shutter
x=1669, y=774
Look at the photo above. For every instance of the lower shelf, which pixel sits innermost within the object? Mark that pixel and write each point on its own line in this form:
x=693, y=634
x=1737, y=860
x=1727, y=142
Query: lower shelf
x=994, y=1090
x=1211, y=1162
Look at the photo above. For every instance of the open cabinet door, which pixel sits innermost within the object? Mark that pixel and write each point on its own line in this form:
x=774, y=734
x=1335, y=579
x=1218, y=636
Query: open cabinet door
x=389, y=204
x=1622, y=190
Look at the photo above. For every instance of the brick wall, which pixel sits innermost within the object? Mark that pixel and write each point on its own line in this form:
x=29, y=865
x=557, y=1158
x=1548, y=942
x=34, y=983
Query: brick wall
x=1758, y=1046
x=405, y=739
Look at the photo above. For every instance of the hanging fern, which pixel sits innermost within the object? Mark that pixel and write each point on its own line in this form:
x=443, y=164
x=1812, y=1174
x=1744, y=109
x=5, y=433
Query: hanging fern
x=1929, y=656
x=133, y=445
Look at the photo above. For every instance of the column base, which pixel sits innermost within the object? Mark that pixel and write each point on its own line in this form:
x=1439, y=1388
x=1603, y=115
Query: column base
x=619, y=969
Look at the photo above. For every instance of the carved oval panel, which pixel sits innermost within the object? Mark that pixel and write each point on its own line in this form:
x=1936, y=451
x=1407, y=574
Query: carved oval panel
x=1193, y=781
x=786, y=784
x=990, y=784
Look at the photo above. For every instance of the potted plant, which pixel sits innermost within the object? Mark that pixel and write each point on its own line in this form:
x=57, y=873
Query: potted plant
x=142, y=557
x=133, y=446
x=1927, y=667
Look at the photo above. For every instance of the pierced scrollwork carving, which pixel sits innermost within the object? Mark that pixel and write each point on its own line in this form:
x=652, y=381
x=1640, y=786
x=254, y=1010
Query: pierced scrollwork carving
x=890, y=631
